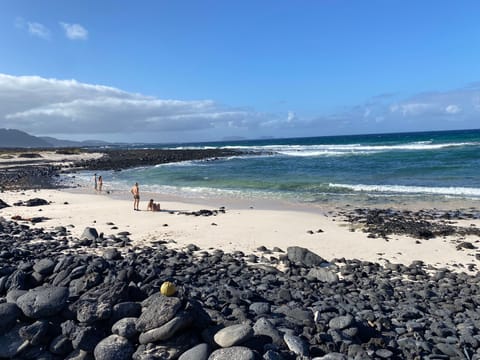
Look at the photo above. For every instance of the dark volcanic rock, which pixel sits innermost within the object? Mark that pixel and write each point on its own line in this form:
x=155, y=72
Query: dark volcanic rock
x=235, y=352
x=199, y=352
x=303, y=257
x=89, y=233
x=122, y=159
x=43, y=301
x=32, y=202
x=167, y=330
x=9, y=313
x=44, y=266
x=114, y=347
x=233, y=335
x=11, y=343
x=159, y=310
x=113, y=306
x=3, y=204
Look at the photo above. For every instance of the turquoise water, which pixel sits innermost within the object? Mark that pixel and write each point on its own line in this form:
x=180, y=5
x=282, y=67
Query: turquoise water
x=429, y=165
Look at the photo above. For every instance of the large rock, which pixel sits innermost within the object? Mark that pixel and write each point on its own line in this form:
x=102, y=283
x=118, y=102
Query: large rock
x=235, y=352
x=114, y=347
x=303, y=257
x=263, y=327
x=11, y=343
x=89, y=233
x=36, y=333
x=44, y=266
x=35, y=202
x=9, y=314
x=43, y=301
x=125, y=327
x=296, y=344
x=61, y=345
x=167, y=330
x=233, y=335
x=341, y=322
x=160, y=310
x=168, y=349
x=199, y=352
x=3, y=204
x=322, y=274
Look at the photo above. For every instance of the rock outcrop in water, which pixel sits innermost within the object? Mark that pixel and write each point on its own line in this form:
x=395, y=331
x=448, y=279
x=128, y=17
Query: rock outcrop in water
x=123, y=159
x=58, y=300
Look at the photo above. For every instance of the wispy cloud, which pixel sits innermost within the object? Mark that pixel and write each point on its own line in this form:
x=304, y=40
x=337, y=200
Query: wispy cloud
x=74, y=31
x=453, y=109
x=39, y=30
x=34, y=28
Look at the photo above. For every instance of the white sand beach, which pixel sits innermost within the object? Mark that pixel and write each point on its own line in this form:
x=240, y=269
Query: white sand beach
x=16, y=158
x=241, y=227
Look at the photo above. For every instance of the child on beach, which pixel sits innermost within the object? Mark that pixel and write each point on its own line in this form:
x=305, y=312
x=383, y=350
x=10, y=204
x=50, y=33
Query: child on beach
x=152, y=206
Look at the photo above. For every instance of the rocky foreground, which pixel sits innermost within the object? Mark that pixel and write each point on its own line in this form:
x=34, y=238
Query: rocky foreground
x=58, y=300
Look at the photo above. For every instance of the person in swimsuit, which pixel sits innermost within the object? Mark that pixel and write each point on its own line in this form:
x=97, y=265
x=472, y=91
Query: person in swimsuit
x=136, y=196
x=152, y=206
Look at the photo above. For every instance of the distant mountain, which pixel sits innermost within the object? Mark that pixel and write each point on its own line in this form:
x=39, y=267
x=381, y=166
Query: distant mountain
x=11, y=138
x=15, y=138
x=70, y=143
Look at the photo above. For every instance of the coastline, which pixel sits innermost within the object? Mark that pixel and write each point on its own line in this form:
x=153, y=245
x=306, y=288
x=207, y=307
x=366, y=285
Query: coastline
x=245, y=226
x=249, y=277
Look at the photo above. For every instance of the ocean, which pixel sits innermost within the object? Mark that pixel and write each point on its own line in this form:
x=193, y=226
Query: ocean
x=377, y=168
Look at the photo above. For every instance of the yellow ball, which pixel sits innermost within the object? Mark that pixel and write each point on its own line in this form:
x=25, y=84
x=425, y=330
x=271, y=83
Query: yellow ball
x=168, y=289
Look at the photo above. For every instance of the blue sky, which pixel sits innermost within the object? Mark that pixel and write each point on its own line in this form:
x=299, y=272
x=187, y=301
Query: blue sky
x=172, y=71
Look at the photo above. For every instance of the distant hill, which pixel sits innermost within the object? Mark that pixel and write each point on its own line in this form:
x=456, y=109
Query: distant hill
x=69, y=143
x=15, y=138
x=12, y=138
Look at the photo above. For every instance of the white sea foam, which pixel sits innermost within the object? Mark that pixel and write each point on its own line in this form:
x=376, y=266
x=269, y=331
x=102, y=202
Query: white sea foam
x=401, y=189
x=340, y=150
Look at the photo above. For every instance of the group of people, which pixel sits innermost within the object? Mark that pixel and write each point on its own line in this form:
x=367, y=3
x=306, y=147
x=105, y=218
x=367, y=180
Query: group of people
x=152, y=206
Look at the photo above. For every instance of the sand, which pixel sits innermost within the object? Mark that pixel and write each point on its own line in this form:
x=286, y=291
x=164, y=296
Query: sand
x=242, y=227
x=13, y=158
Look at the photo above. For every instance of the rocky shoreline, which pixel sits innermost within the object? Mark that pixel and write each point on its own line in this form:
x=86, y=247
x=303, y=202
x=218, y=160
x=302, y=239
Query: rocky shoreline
x=36, y=173
x=123, y=159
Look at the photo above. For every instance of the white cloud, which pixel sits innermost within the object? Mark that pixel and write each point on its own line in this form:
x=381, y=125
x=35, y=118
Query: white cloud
x=73, y=109
x=453, y=109
x=34, y=28
x=74, y=31
x=50, y=106
x=448, y=110
x=410, y=108
x=291, y=117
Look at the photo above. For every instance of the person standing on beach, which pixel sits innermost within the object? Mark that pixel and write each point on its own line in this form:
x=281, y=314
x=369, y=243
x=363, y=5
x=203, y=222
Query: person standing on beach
x=136, y=196
x=100, y=183
x=95, y=180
